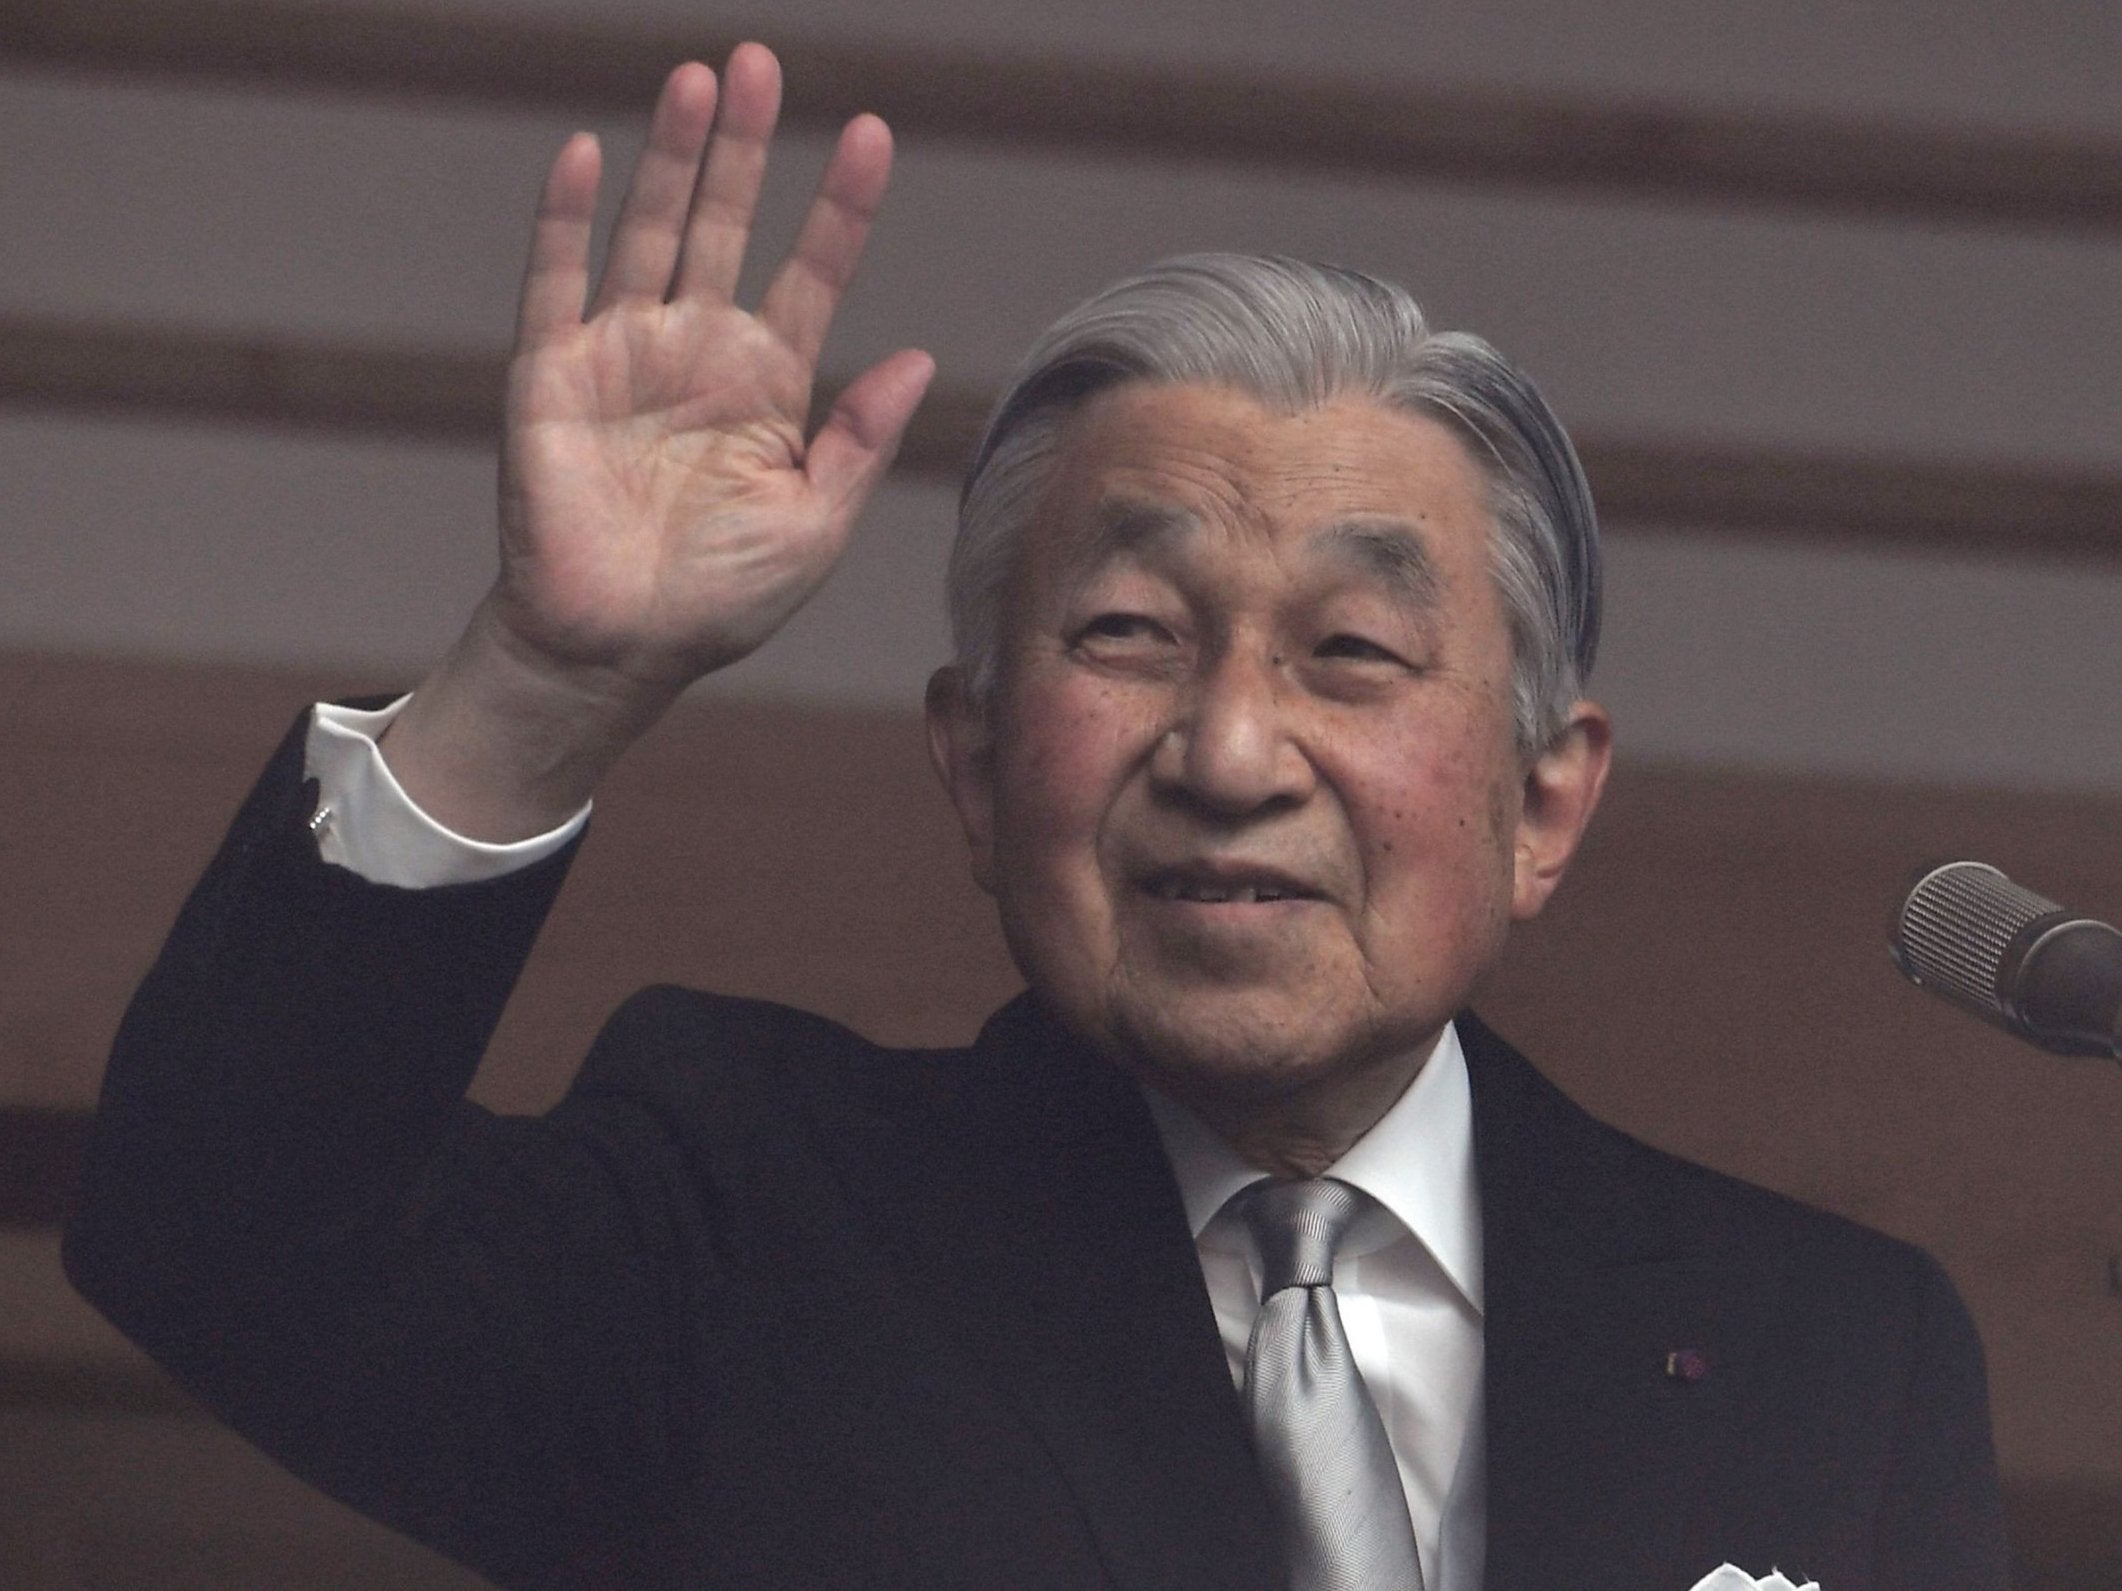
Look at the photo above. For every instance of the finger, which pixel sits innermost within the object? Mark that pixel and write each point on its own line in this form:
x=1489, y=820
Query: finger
x=805, y=292
x=557, y=277
x=859, y=439
x=728, y=196
x=651, y=224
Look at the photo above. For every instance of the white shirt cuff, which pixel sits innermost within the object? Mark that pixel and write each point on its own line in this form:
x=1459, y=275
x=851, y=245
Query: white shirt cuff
x=367, y=824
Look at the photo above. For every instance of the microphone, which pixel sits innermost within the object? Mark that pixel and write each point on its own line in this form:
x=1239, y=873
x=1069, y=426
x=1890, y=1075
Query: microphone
x=2047, y=975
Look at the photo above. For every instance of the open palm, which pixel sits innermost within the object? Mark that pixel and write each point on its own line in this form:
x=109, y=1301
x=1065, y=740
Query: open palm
x=662, y=511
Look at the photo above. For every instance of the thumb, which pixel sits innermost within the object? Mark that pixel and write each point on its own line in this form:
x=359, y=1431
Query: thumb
x=861, y=436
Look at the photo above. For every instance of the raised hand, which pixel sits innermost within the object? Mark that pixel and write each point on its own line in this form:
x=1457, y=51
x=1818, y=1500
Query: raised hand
x=662, y=511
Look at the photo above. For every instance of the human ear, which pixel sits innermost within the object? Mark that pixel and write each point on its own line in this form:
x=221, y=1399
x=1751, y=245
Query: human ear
x=961, y=752
x=1562, y=787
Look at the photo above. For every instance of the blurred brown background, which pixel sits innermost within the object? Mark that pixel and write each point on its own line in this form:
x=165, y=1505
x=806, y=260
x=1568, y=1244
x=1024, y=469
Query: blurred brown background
x=1829, y=298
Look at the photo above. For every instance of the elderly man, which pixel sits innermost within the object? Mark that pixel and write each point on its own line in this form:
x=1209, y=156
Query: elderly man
x=1234, y=1254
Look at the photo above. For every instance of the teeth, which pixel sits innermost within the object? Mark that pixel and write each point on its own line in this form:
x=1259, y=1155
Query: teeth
x=1219, y=894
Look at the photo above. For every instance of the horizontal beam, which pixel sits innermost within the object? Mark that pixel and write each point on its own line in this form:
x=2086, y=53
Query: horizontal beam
x=442, y=395
x=1398, y=133
x=2000, y=510
x=87, y=1385
x=426, y=395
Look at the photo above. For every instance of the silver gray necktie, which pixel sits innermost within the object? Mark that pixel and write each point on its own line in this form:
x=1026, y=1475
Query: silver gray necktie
x=1322, y=1448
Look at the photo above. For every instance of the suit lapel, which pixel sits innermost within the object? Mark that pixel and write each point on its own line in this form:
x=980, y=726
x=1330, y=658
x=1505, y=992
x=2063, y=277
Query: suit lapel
x=1597, y=1448
x=1070, y=1252
x=1075, y=1285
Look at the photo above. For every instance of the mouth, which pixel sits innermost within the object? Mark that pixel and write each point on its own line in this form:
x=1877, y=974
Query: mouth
x=1225, y=884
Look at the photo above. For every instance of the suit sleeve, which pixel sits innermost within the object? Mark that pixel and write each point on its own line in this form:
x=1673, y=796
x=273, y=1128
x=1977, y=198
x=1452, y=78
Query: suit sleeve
x=450, y=1320
x=1941, y=1517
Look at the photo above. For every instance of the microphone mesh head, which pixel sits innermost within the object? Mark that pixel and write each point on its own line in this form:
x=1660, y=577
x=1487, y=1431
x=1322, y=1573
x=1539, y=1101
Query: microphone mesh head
x=1955, y=928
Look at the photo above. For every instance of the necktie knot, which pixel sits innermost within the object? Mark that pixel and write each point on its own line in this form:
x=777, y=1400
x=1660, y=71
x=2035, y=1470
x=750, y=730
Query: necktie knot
x=1297, y=1227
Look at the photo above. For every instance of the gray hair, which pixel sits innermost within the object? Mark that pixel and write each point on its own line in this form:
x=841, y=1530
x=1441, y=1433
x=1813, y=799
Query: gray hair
x=1294, y=335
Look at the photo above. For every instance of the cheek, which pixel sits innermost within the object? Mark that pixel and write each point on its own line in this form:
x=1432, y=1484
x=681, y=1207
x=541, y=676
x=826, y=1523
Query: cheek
x=1071, y=751
x=1441, y=810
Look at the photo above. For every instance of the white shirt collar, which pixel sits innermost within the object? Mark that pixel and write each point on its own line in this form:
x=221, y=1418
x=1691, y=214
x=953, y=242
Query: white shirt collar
x=1417, y=1161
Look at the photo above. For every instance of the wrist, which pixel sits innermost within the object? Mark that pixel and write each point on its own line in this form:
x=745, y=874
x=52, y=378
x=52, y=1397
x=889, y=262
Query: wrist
x=502, y=742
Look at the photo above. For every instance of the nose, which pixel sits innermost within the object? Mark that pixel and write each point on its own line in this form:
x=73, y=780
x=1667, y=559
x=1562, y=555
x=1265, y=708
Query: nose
x=1231, y=749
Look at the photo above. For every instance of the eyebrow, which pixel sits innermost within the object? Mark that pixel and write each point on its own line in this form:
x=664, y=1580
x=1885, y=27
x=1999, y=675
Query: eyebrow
x=1128, y=524
x=1389, y=549
x=1386, y=548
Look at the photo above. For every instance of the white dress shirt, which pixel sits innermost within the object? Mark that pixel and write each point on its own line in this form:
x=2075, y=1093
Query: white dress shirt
x=1408, y=1282
x=367, y=824
x=1408, y=1276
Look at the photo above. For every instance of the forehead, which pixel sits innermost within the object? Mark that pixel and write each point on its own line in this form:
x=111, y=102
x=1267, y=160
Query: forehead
x=1147, y=463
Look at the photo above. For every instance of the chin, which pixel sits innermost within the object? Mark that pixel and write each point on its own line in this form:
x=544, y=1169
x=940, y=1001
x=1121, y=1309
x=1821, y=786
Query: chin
x=1234, y=1050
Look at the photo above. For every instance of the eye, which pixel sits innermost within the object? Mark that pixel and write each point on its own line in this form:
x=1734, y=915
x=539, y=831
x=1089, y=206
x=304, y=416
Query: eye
x=1122, y=633
x=1357, y=649
x=1123, y=626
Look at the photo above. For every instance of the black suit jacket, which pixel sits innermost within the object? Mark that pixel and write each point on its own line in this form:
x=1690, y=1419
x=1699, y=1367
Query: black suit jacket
x=762, y=1304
